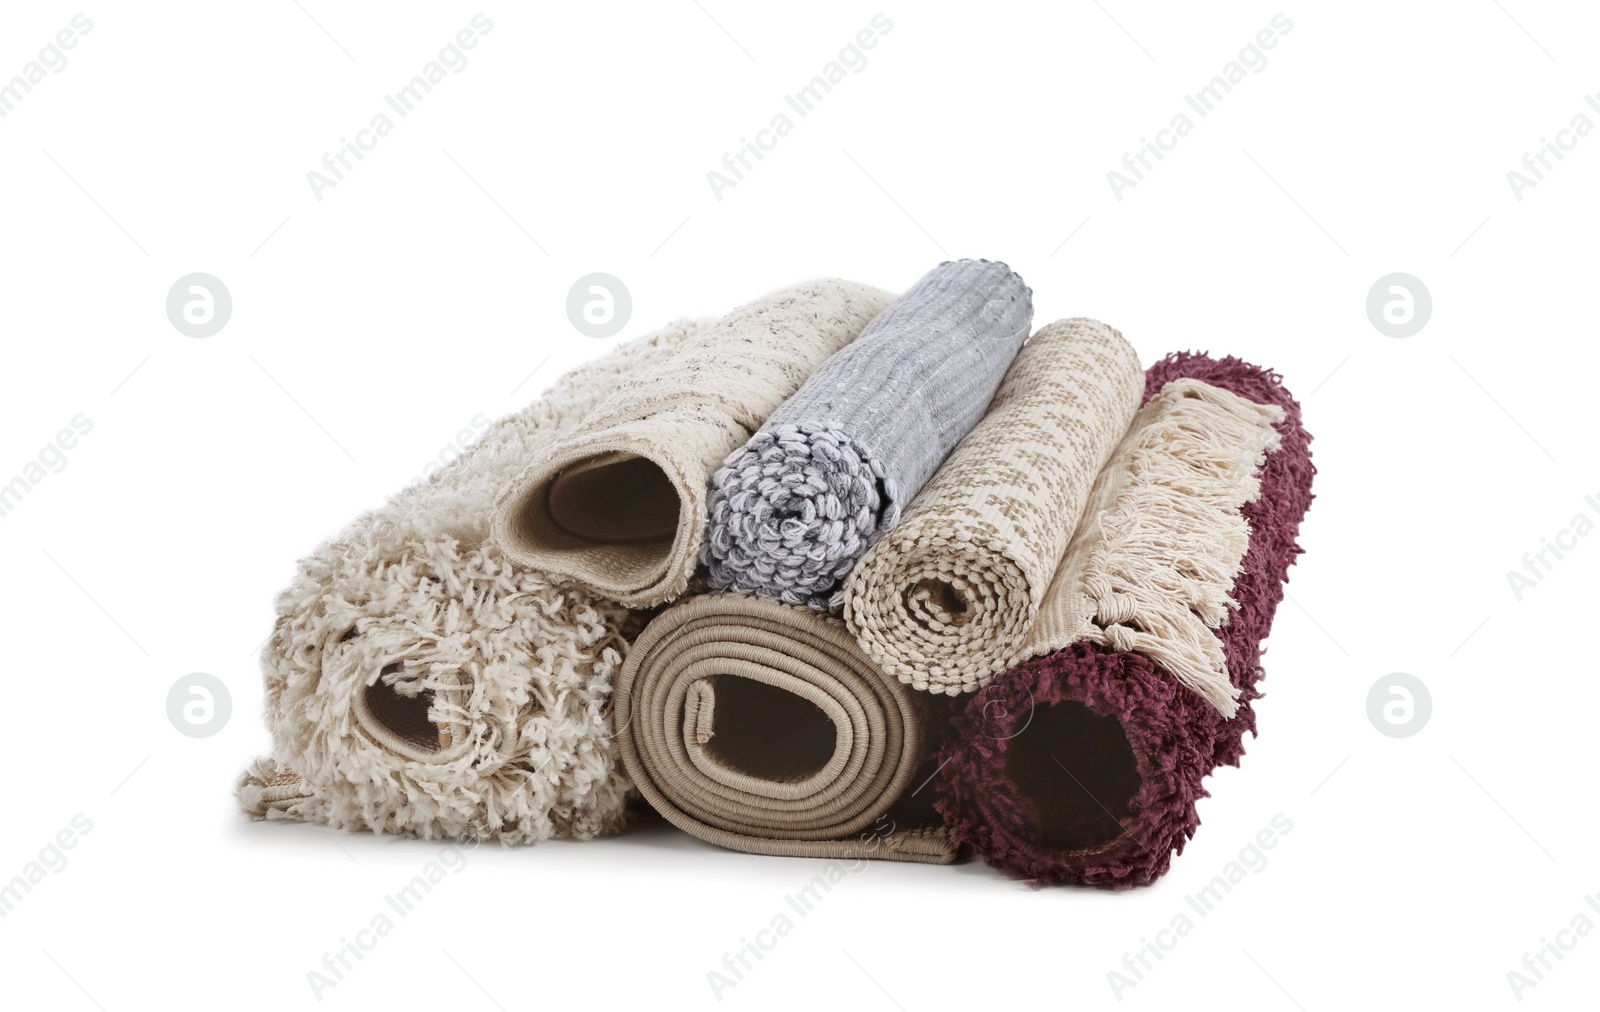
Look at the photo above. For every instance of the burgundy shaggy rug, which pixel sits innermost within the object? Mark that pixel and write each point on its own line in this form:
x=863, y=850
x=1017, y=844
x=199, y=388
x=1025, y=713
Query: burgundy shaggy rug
x=1085, y=765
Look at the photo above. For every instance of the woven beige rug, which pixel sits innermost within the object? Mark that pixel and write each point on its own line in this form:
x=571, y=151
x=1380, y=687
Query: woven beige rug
x=1151, y=567
x=945, y=601
x=759, y=726
x=619, y=505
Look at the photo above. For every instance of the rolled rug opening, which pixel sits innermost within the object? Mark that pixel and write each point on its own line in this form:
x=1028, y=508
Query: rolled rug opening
x=1085, y=763
x=618, y=504
x=945, y=602
x=418, y=684
x=831, y=470
x=760, y=727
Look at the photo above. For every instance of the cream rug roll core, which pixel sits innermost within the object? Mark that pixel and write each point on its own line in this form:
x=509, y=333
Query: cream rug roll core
x=618, y=506
x=946, y=600
x=759, y=726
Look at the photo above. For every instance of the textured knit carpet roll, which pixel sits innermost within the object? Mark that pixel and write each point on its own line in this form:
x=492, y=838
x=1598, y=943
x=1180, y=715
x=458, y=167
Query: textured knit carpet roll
x=795, y=507
x=618, y=504
x=1085, y=765
x=418, y=684
x=945, y=601
x=760, y=727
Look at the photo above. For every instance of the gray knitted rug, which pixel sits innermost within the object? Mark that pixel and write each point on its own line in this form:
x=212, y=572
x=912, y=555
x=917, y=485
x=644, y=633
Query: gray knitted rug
x=832, y=468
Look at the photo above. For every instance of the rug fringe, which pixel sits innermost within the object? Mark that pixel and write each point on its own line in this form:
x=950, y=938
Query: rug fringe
x=1171, y=545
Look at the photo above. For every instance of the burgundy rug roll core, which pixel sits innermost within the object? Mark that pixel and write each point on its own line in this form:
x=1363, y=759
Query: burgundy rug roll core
x=1085, y=765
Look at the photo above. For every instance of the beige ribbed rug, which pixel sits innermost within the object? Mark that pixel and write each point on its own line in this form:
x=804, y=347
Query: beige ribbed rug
x=759, y=726
x=619, y=505
x=1151, y=567
x=945, y=601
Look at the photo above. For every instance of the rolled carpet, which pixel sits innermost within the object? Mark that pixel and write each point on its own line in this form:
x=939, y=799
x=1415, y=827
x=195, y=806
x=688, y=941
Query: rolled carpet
x=618, y=504
x=760, y=727
x=945, y=602
x=419, y=684
x=793, y=509
x=1085, y=764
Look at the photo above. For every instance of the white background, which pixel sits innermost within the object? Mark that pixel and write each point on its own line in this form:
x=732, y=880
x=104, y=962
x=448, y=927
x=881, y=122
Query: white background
x=372, y=325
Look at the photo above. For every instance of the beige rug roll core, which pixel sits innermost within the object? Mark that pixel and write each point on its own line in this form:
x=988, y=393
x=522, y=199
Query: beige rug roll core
x=946, y=600
x=761, y=727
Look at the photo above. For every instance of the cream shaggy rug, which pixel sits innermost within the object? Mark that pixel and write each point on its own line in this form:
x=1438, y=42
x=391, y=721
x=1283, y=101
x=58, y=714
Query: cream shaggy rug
x=417, y=683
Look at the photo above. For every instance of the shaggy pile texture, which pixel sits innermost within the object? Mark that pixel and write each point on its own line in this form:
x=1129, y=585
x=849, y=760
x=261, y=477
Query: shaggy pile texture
x=618, y=504
x=417, y=683
x=945, y=602
x=1085, y=765
x=794, y=508
x=760, y=727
